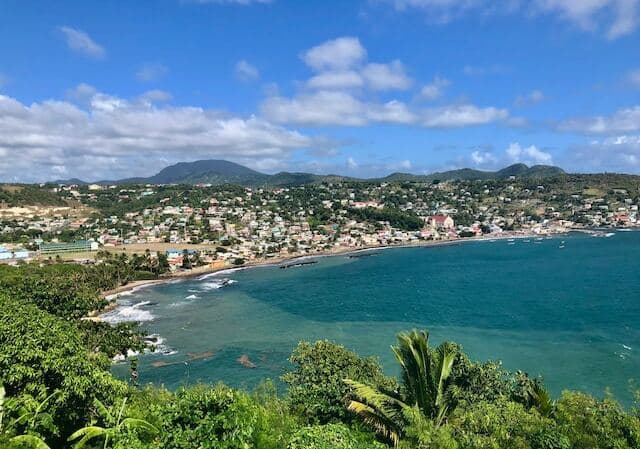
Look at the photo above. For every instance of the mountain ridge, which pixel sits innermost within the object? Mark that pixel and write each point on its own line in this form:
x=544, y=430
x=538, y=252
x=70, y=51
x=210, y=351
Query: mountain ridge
x=218, y=171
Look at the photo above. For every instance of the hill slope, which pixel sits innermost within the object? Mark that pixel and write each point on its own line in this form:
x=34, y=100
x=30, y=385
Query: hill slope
x=218, y=172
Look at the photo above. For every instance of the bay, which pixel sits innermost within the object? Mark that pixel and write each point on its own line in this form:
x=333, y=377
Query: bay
x=566, y=308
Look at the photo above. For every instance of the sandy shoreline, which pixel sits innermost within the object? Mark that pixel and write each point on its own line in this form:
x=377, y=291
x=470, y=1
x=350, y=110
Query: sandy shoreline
x=112, y=295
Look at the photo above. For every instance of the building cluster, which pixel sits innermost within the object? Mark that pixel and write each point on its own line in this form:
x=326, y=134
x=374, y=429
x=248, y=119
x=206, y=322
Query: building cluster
x=244, y=224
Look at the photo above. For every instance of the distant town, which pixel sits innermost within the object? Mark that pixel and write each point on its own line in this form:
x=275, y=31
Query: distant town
x=211, y=226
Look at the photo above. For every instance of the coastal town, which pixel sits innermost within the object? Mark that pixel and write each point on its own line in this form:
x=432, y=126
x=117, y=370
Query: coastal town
x=221, y=226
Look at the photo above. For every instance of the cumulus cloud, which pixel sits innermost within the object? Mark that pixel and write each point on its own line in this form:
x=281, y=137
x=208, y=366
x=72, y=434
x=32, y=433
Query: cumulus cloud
x=341, y=93
x=530, y=155
x=151, y=71
x=80, y=42
x=117, y=137
x=340, y=53
x=333, y=108
x=435, y=89
x=614, y=18
x=455, y=116
x=386, y=76
x=344, y=109
x=246, y=72
x=341, y=64
x=622, y=121
x=617, y=153
x=514, y=153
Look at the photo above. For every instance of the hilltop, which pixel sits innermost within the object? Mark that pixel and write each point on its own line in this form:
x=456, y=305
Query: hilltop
x=218, y=172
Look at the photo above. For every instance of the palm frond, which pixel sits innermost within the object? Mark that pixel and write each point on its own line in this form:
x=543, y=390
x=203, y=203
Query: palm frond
x=85, y=434
x=30, y=441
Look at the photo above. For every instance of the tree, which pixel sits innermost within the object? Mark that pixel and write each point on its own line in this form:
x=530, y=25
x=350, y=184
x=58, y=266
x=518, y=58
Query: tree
x=316, y=387
x=118, y=425
x=425, y=381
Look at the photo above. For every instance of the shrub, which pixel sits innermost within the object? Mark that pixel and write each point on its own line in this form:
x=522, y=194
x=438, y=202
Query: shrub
x=316, y=385
x=333, y=436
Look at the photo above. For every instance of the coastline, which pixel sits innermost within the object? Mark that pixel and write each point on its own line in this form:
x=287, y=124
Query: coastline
x=113, y=294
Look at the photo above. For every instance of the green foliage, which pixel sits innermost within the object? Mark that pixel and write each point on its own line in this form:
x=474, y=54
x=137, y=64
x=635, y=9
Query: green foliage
x=209, y=418
x=316, y=384
x=117, y=426
x=51, y=357
x=275, y=423
x=505, y=425
x=29, y=195
x=424, y=387
x=332, y=436
x=60, y=289
x=407, y=221
x=590, y=423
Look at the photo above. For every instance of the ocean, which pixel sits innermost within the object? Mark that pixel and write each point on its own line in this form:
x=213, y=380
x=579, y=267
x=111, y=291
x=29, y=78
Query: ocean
x=566, y=308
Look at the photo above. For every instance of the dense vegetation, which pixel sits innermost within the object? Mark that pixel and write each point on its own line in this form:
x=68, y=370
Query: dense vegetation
x=24, y=194
x=58, y=391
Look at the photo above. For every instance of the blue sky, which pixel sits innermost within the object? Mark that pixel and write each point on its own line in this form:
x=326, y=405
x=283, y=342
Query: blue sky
x=110, y=89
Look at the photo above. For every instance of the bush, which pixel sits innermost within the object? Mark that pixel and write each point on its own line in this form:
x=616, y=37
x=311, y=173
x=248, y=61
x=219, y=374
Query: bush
x=504, y=424
x=208, y=417
x=333, y=436
x=316, y=385
x=590, y=423
x=41, y=354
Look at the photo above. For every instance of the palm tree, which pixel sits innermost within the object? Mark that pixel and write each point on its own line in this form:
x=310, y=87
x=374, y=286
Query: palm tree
x=23, y=440
x=425, y=375
x=90, y=432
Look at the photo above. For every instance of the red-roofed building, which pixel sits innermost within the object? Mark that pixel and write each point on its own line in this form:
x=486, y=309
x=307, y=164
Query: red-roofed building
x=441, y=222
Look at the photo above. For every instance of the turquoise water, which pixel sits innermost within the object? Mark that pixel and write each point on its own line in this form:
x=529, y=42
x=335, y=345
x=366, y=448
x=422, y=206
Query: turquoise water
x=570, y=314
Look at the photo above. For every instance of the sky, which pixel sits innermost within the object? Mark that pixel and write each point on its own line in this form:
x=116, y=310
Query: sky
x=111, y=89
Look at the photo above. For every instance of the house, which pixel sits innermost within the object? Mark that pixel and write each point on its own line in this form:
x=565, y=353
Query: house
x=441, y=222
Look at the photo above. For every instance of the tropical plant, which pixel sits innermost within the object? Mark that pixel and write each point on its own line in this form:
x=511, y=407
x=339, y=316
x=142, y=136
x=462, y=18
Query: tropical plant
x=30, y=441
x=425, y=380
x=316, y=385
x=120, y=424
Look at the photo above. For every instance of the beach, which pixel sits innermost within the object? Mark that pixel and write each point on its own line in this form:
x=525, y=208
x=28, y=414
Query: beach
x=113, y=294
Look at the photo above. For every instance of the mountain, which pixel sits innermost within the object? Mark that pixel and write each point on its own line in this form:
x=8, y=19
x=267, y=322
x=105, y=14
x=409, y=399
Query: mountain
x=468, y=174
x=218, y=172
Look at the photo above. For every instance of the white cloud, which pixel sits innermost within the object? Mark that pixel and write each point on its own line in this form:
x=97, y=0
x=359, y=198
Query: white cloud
x=339, y=79
x=530, y=155
x=622, y=121
x=514, y=153
x=340, y=64
x=351, y=163
x=80, y=42
x=340, y=53
x=435, y=89
x=344, y=109
x=618, y=153
x=533, y=97
x=386, y=76
x=151, y=71
x=483, y=158
x=118, y=138
x=454, y=116
x=246, y=71
x=614, y=18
